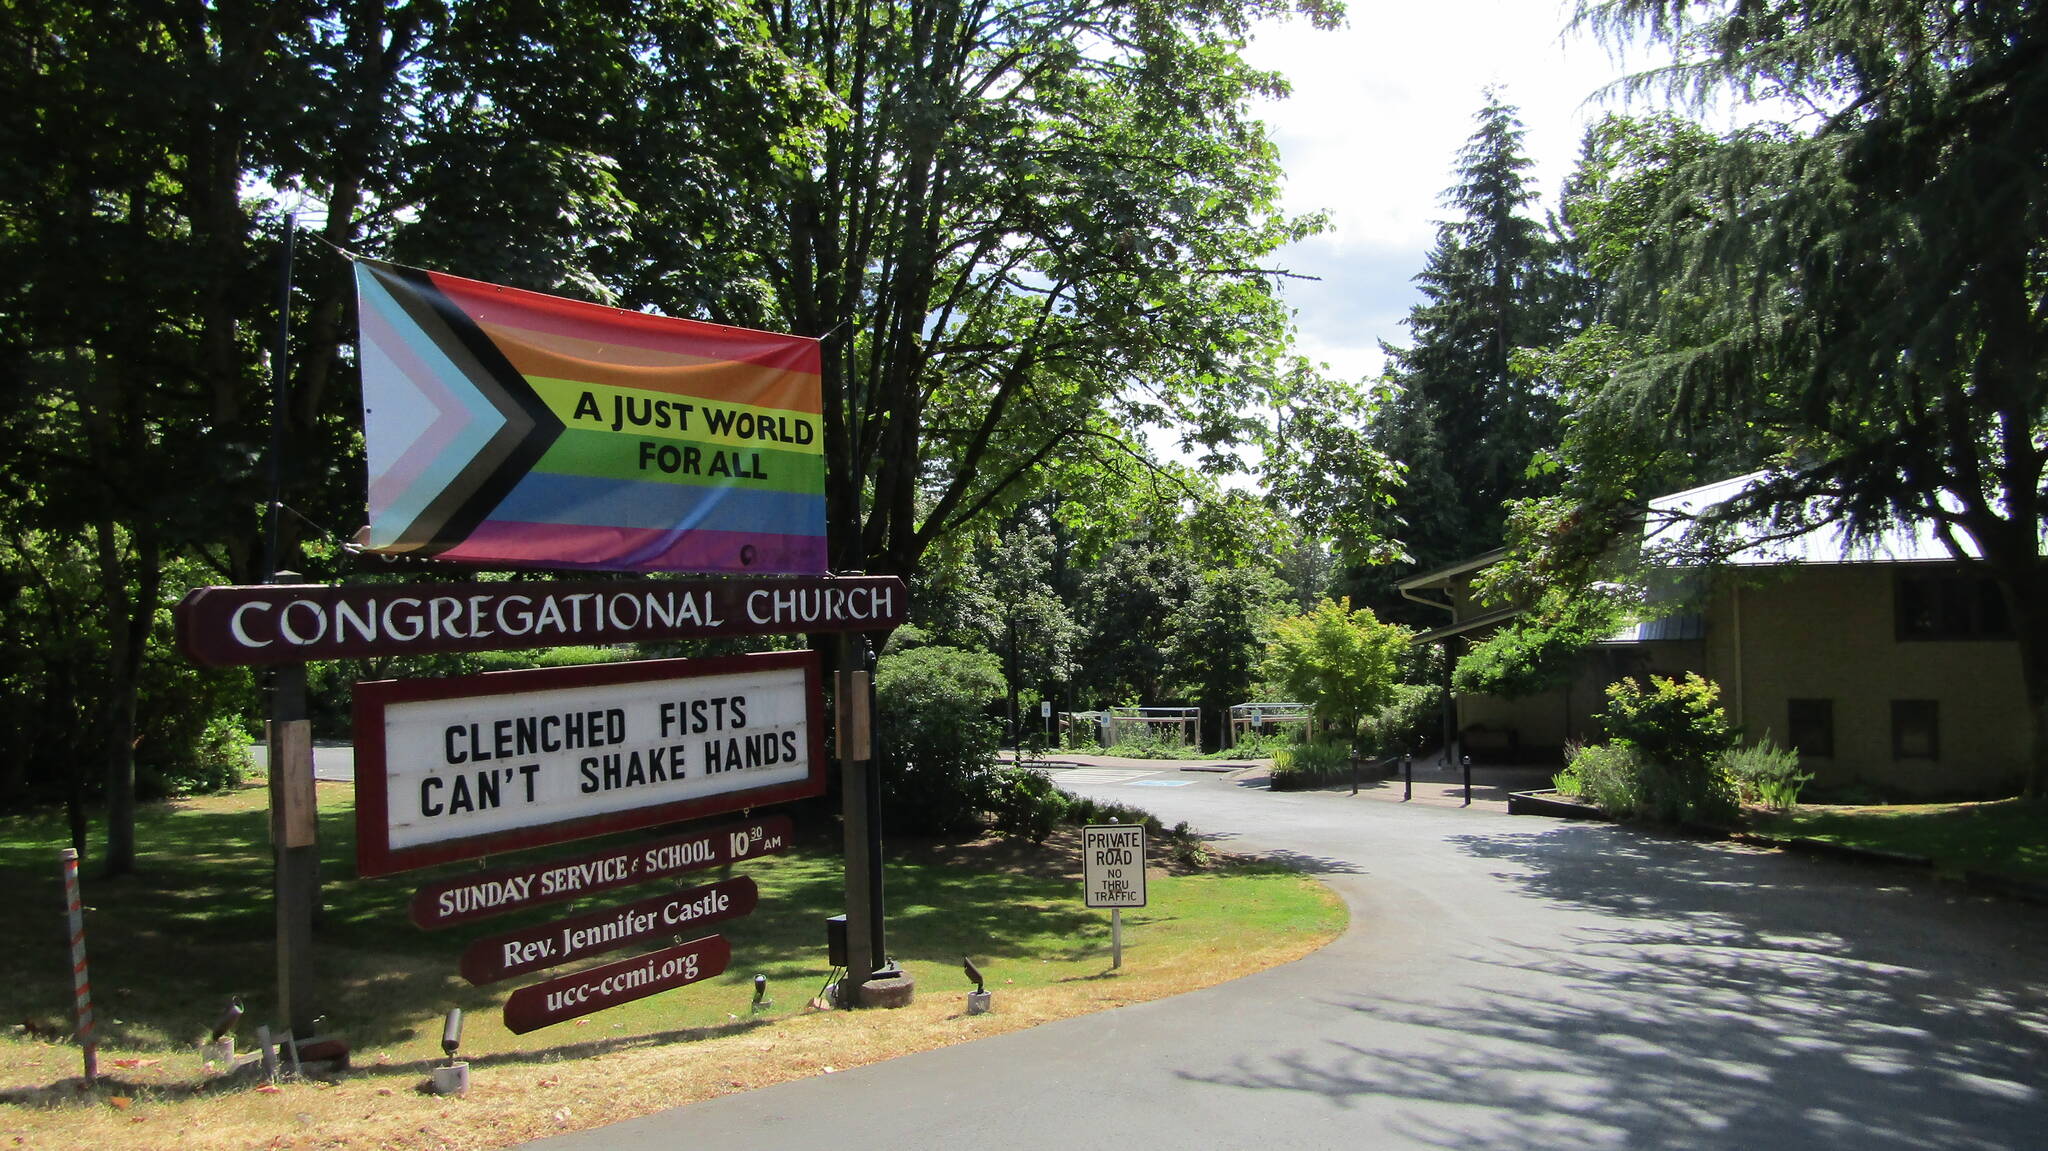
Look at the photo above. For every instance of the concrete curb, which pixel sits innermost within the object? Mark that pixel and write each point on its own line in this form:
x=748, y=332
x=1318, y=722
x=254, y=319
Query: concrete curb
x=1549, y=803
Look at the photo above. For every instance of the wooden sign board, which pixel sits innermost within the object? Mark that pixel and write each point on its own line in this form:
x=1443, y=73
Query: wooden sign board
x=545, y=945
x=610, y=984
x=477, y=765
x=482, y=894
x=295, y=623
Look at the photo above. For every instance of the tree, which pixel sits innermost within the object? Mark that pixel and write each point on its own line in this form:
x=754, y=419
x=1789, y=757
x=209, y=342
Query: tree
x=1127, y=606
x=1217, y=639
x=1030, y=626
x=133, y=378
x=1608, y=459
x=1875, y=278
x=1462, y=422
x=1342, y=663
x=1037, y=226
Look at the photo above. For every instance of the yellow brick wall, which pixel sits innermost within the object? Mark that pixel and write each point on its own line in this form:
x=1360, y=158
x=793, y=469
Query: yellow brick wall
x=1827, y=632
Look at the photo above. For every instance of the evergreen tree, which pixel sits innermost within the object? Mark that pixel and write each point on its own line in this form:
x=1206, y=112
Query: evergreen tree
x=1460, y=419
x=1878, y=275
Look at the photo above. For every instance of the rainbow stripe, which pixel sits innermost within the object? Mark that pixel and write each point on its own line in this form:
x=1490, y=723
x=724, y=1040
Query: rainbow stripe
x=512, y=428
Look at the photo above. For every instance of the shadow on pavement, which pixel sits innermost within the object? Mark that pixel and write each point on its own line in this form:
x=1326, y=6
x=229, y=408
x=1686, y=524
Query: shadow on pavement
x=1735, y=998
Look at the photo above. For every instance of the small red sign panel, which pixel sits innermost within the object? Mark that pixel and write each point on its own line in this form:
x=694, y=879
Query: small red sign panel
x=486, y=893
x=610, y=984
x=511, y=953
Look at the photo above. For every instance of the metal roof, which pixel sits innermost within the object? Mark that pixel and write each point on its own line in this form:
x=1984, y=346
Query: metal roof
x=1755, y=543
x=1442, y=576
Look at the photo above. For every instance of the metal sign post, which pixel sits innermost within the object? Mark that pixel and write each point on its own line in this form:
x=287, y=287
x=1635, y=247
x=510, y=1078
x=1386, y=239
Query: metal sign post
x=81, y=983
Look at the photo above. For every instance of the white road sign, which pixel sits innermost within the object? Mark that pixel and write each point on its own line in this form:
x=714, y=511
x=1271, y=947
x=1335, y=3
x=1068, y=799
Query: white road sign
x=1113, y=865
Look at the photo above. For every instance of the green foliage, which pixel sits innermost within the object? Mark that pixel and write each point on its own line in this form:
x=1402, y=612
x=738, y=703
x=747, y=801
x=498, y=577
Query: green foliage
x=1540, y=650
x=1675, y=722
x=1625, y=783
x=1218, y=636
x=1127, y=607
x=1152, y=741
x=1262, y=745
x=1024, y=803
x=552, y=657
x=1766, y=774
x=1311, y=764
x=1343, y=663
x=1463, y=422
x=1403, y=723
x=1326, y=468
x=937, y=741
x=1606, y=776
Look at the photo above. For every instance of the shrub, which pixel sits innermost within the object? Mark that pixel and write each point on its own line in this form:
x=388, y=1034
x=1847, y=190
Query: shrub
x=1608, y=776
x=1678, y=723
x=1083, y=810
x=1260, y=745
x=1152, y=741
x=937, y=740
x=1024, y=803
x=1688, y=795
x=1400, y=725
x=1307, y=765
x=190, y=732
x=1624, y=783
x=1766, y=774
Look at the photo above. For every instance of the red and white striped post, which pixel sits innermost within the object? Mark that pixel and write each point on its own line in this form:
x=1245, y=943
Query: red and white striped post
x=81, y=984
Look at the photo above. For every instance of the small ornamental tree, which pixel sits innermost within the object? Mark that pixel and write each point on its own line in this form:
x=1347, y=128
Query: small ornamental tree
x=1342, y=663
x=1677, y=723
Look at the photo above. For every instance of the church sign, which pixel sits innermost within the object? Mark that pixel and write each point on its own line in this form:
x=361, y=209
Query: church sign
x=479, y=765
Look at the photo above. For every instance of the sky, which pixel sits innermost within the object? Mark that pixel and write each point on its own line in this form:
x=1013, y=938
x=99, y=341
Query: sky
x=1371, y=134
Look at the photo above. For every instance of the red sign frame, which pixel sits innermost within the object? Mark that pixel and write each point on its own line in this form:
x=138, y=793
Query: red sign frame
x=376, y=856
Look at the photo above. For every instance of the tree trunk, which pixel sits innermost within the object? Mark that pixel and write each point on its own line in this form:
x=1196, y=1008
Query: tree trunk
x=129, y=616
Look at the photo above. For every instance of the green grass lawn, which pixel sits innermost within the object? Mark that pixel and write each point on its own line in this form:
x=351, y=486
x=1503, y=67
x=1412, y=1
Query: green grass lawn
x=169, y=945
x=2008, y=836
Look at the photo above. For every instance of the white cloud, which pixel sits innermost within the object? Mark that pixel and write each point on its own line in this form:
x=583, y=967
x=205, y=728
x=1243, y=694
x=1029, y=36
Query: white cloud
x=1372, y=132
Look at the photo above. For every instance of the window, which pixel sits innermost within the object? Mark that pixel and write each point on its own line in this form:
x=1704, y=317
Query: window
x=1950, y=605
x=1810, y=727
x=1916, y=729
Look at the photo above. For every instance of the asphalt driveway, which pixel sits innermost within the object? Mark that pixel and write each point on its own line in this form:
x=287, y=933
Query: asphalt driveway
x=1507, y=982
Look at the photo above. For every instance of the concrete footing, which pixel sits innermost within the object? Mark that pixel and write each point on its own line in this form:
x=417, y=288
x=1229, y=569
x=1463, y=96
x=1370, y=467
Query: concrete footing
x=895, y=991
x=452, y=1079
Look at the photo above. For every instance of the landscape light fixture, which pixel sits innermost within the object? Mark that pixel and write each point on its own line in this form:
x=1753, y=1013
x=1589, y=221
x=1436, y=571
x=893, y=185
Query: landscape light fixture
x=978, y=1000
x=453, y=1077
x=451, y=1033
x=225, y=1025
x=760, y=992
